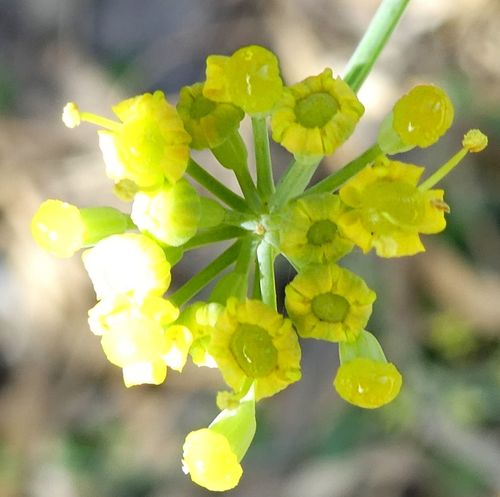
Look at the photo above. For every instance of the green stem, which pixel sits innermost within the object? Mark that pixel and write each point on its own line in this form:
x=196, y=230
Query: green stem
x=216, y=187
x=248, y=188
x=337, y=179
x=265, y=258
x=205, y=276
x=265, y=182
x=213, y=235
x=256, y=294
x=232, y=154
x=376, y=36
x=293, y=182
x=247, y=254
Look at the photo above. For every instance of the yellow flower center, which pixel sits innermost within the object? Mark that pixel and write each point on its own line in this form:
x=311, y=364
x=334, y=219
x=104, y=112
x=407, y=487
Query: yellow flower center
x=330, y=307
x=392, y=203
x=321, y=232
x=315, y=110
x=201, y=107
x=253, y=350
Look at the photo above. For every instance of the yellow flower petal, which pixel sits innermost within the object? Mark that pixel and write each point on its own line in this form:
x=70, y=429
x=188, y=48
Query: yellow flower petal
x=129, y=263
x=210, y=461
x=423, y=115
x=367, y=383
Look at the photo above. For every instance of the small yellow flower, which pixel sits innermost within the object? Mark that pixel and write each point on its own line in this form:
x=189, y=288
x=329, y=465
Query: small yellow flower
x=62, y=229
x=423, y=115
x=368, y=383
x=170, y=214
x=209, y=123
x=316, y=116
x=210, y=460
x=388, y=211
x=309, y=233
x=127, y=264
x=136, y=343
x=58, y=228
x=252, y=341
x=137, y=336
x=148, y=145
x=328, y=302
x=249, y=79
x=212, y=455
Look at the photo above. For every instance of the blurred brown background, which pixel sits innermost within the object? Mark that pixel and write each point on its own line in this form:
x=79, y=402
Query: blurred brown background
x=69, y=428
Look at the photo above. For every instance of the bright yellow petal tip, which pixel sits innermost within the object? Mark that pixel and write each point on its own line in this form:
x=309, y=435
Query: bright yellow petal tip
x=367, y=383
x=150, y=373
x=423, y=115
x=475, y=141
x=210, y=461
x=58, y=228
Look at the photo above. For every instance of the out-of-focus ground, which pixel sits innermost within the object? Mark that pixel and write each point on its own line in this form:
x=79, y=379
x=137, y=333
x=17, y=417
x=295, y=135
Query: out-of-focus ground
x=68, y=427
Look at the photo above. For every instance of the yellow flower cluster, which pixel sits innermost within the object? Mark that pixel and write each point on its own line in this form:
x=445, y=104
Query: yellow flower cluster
x=374, y=202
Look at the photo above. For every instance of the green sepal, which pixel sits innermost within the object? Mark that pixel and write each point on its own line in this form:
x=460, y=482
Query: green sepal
x=173, y=254
x=101, y=222
x=238, y=424
x=389, y=140
x=232, y=153
x=365, y=346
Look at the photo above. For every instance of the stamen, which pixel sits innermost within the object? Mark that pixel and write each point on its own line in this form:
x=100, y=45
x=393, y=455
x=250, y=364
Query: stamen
x=72, y=117
x=474, y=141
x=100, y=121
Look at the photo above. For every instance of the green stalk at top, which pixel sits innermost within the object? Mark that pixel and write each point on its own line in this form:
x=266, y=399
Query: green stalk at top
x=376, y=36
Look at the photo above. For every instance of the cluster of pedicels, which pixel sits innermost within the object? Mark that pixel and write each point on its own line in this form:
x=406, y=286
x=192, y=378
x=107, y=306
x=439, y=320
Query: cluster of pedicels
x=374, y=202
